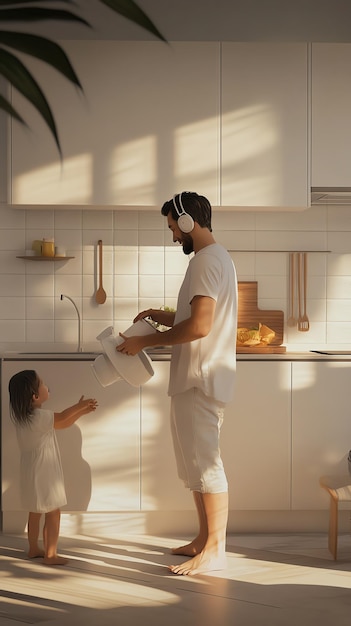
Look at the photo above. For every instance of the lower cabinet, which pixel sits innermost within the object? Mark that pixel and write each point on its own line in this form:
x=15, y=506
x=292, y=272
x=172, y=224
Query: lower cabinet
x=255, y=440
x=288, y=424
x=100, y=452
x=321, y=428
x=161, y=489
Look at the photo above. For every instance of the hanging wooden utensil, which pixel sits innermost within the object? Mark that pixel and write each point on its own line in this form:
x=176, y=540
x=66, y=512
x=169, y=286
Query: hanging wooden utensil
x=100, y=295
x=292, y=320
x=304, y=323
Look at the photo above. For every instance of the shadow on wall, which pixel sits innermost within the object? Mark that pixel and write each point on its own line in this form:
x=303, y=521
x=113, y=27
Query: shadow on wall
x=77, y=473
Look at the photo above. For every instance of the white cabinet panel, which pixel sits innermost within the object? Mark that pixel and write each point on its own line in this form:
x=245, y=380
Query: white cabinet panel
x=331, y=118
x=264, y=124
x=321, y=429
x=161, y=489
x=100, y=452
x=146, y=128
x=255, y=441
x=256, y=437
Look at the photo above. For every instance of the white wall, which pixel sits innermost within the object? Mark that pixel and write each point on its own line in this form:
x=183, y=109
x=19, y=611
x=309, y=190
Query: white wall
x=143, y=268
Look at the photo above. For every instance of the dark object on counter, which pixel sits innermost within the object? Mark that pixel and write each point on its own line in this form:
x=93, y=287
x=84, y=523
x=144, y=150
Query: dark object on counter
x=333, y=352
x=349, y=461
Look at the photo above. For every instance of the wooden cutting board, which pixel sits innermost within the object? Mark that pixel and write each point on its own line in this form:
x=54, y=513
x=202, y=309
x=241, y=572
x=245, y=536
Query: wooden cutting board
x=249, y=316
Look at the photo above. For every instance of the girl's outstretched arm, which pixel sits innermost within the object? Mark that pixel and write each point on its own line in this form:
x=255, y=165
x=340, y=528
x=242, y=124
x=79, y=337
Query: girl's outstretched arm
x=68, y=416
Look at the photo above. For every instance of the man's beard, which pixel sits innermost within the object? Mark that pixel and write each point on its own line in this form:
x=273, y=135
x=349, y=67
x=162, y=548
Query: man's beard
x=188, y=244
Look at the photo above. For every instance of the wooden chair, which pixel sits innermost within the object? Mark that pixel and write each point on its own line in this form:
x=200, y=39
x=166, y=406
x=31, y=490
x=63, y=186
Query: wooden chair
x=339, y=489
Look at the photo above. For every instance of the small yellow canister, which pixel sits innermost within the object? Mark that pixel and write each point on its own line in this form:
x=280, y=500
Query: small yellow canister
x=47, y=247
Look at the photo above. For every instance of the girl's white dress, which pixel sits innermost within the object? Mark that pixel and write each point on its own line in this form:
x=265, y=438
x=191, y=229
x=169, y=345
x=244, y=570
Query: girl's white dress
x=41, y=475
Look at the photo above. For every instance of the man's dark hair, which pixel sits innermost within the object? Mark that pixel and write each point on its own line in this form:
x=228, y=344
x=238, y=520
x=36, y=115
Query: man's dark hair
x=197, y=206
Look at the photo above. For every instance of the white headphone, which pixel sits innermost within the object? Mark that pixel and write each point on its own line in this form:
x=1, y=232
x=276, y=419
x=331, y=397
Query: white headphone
x=185, y=221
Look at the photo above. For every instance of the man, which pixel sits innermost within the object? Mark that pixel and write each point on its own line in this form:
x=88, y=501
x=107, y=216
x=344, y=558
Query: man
x=203, y=335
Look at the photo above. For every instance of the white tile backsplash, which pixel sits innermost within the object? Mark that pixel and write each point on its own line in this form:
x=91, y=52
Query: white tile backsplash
x=142, y=268
x=151, y=258
x=12, y=331
x=338, y=310
x=42, y=221
x=12, y=285
x=68, y=220
x=126, y=286
x=12, y=308
x=12, y=239
x=39, y=308
x=40, y=331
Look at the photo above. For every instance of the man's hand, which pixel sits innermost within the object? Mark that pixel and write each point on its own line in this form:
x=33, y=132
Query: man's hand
x=131, y=345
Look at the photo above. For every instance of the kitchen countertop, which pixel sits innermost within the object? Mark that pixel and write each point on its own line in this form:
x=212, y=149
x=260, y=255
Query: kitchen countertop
x=163, y=354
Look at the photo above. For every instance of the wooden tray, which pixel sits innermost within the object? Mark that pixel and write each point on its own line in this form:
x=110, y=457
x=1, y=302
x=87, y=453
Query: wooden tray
x=249, y=316
x=261, y=349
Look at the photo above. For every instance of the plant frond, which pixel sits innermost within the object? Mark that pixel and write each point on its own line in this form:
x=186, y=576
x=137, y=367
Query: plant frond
x=130, y=10
x=18, y=75
x=43, y=49
x=17, y=2
x=38, y=14
x=6, y=106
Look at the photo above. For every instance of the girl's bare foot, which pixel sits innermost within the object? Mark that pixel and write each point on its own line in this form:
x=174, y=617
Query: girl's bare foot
x=206, y=561
x=55, y=560
x=190, y=549
x=36, y=553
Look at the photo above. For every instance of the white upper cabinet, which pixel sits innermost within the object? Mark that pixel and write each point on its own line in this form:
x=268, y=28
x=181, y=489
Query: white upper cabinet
x=264, y=124
x=146, y=127
x=331, y=115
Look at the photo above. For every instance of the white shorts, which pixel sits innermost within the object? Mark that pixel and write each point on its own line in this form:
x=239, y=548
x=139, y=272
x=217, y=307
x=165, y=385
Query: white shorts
x=195, y=425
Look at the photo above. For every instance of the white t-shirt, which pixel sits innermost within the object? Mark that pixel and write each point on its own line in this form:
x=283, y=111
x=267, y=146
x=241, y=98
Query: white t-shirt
x=208, y=363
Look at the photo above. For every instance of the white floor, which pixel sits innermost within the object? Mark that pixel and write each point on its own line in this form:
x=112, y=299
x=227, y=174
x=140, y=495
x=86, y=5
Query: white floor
x=273, y=580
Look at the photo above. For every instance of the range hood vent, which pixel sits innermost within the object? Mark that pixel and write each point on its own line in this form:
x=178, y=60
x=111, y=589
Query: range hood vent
x=330, y=195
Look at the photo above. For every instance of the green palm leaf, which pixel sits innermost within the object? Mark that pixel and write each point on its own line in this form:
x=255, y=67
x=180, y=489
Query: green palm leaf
x=14, y=11
x=8, y=108
x=130, y=10
x=42, y=49
x=17, y=2
x=14, y=70
x=37, y=14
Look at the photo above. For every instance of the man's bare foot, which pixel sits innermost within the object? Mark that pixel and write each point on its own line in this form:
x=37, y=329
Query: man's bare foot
x=190, y=549
x=206, y=561
x=36, y=553
x=55, y=560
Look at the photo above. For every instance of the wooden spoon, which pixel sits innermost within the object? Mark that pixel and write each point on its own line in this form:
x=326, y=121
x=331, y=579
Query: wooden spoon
x=100, y=295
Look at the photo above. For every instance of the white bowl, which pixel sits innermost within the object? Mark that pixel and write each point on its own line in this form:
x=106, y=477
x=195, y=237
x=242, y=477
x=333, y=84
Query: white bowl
x=135, y=370
x=104, y=371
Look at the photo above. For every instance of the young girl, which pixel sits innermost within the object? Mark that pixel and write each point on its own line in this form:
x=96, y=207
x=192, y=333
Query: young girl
x=42, y=484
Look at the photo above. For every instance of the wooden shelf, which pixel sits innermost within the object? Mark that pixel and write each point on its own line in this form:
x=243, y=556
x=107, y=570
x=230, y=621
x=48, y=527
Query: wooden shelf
x=37, y=257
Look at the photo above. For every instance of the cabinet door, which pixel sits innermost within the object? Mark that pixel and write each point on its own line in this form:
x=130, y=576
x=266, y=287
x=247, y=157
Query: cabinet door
x=321, y=429
x=255, y=439
x=264, y=124
x=331, y=105
x=100, y=452
x=146, y=127
x=161, y=489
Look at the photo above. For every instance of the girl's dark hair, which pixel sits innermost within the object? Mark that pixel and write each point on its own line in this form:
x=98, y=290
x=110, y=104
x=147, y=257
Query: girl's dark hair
x=197, y=206
x=22, y=386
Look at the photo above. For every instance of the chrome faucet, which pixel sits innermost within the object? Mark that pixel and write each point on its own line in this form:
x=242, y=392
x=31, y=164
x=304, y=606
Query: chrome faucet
x=79, y=348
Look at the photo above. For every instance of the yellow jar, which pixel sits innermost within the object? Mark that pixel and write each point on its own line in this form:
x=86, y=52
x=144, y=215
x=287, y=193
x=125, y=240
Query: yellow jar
x=47, y=247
